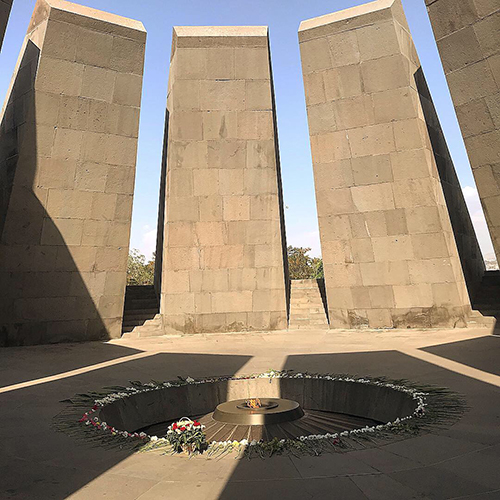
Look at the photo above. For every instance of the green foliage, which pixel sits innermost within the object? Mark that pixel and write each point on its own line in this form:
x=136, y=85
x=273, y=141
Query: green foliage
x=301, y=266
x=140, y=272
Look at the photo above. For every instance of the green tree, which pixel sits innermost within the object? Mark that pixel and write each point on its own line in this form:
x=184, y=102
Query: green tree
x=140, y=272
x=317, y=268
x=301, y=266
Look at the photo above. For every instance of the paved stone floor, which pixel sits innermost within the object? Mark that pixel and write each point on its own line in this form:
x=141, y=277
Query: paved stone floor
x=456, y=462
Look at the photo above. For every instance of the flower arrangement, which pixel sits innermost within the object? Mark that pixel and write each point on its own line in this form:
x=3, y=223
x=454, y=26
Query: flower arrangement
x=187, y=435
x=434, y=406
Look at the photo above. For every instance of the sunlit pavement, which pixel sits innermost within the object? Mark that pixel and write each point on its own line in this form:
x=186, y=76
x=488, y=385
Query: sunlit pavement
x=460, y=461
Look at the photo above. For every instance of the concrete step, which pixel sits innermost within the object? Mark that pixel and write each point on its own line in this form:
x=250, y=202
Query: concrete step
x=477, y=318
x=151, y=328
x=143, y=303
x=306, y=305
x=140, y=311
x=303, y=321
x=135, y=322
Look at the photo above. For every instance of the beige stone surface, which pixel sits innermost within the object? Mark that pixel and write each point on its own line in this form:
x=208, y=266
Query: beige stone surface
x=222, y=233
x=68, y=140
x=5, y=6
x=453, y=460
x=467, y=39
x=392, y=218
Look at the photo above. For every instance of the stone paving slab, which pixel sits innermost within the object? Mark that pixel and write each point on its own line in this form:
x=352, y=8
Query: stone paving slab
x=457, y=462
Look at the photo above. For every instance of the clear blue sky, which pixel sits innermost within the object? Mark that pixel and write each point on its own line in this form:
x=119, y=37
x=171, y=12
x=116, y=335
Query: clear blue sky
x=283, y=18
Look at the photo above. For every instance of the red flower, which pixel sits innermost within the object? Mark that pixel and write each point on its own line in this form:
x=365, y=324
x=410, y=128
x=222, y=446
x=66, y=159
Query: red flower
x=183, y=428
x=196, y=423
x=174, y=426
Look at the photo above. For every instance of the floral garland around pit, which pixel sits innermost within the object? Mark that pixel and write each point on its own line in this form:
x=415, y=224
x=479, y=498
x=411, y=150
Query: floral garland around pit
x=434, y=406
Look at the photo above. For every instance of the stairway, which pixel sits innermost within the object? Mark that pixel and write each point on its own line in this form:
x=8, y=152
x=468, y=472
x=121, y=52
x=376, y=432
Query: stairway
x=487, y=297
x=140, y=315
x=307, y=304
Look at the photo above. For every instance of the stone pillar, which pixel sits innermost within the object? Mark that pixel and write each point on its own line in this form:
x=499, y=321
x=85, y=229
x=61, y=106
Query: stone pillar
x=5, y=6
x=224, y=243
x=68, y=141
x=468, y=39
x=390, y=256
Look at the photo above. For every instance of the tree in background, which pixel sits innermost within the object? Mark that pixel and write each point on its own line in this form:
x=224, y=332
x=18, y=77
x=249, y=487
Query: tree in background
x=140, y=272
x=301, y=266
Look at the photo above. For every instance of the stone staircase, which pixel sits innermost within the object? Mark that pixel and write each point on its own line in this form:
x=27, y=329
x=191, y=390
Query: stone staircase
x=141, y=316
x=307, y=305
x=487, y=298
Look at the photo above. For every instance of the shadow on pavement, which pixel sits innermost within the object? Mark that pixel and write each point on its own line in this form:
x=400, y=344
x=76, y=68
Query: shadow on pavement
x=480, y=353
x=36, y=462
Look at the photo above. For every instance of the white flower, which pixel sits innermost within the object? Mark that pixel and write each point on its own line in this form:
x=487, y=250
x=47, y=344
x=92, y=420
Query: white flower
x=244, y=442
x=190, y=380
x=154, y=438
x=253, y=443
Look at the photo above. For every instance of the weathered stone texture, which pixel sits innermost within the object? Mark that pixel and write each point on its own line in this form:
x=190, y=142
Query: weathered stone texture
x=223, y=250
x=467, y=35
x=389, y=252
x=68, y=142
x=5, y=6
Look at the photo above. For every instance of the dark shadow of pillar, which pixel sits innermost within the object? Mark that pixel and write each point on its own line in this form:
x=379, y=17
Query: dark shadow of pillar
x=469, y=251
x=160, y=232
x=280, y=189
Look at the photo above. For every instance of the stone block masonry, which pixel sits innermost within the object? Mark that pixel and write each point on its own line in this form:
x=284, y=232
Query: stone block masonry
x=467, y=35
x=5, y=6
x=389, y=250
x=68, y=145
x=224, y=249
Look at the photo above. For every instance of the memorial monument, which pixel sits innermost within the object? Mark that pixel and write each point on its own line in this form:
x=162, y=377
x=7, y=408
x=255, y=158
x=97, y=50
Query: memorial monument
x=221, y=248
x=467, y=35
x=5, y=6
x=388, y=198
x=68, y=142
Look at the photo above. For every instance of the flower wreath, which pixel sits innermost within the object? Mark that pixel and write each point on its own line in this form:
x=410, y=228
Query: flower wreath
x=433, y=406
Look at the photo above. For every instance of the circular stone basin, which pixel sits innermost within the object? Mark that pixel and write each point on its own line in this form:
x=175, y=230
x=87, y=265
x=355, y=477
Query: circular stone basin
x=273, y=411
x=328, y=405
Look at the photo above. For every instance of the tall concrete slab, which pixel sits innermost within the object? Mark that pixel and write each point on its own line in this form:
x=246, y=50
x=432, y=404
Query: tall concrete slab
x=223, y=237
x=5, y=6
x=68, y=141
x=384, y=180
x=468, y=39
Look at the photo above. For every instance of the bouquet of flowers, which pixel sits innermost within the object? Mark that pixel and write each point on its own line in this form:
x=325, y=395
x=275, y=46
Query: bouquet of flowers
x=187, y=435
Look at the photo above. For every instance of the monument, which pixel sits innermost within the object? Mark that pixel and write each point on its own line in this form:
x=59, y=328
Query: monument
x=388, y=198
x=221, y=250
x=467, y=34
x=5, y=6
x=68, y=141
